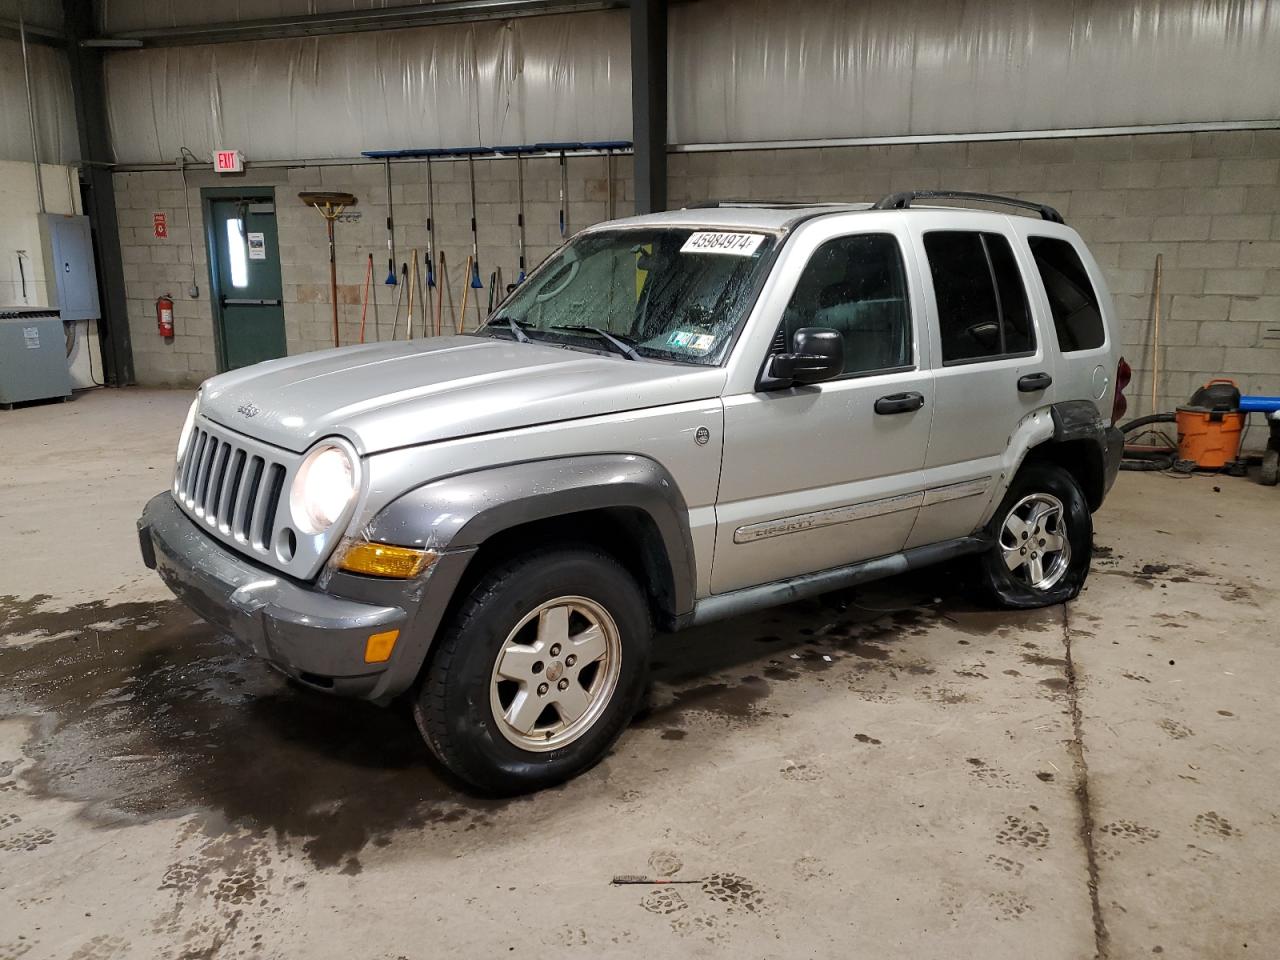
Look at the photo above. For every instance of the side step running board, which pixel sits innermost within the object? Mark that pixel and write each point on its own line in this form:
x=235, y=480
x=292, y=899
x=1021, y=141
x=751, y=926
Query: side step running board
x=751, y=599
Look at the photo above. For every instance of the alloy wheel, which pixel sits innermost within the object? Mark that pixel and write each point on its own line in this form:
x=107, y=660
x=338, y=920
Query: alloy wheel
x=1033, y=541
x=555, y=673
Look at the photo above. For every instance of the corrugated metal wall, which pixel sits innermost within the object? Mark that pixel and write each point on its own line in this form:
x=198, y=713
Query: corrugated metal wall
x=51, y=90
x=546, y=78
x=761, y=70
x=741, y=70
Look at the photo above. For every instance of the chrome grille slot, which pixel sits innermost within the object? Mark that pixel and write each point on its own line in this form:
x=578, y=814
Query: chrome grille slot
x=273, y=487
x=244, y=509
x=217, y=475
x=202, y=475
x=227, y=494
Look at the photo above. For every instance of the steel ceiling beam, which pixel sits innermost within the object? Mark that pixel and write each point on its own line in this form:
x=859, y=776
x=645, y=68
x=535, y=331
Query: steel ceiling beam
x=359, y=21
x=47, y=36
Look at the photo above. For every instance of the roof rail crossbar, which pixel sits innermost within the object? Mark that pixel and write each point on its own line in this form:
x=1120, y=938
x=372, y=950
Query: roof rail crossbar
x=900, y=201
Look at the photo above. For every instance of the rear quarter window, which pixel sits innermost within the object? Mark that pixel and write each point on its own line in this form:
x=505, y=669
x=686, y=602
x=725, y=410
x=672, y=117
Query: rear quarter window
x=1077, y=318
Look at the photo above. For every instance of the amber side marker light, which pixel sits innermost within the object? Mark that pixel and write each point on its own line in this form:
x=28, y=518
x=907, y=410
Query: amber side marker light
x=382, y=560
x=377, y=649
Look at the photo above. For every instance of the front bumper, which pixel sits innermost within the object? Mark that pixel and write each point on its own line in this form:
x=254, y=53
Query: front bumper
x=317, y=638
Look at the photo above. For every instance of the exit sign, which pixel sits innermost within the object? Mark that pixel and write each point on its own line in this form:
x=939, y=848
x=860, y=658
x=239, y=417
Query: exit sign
x=228, y=161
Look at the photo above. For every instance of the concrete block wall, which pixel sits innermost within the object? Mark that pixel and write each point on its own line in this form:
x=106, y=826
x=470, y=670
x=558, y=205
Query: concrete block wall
x=1209, y=203
x=155, y=267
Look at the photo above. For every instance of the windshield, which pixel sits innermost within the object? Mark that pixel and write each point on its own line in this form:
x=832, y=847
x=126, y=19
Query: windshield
x=668, y=293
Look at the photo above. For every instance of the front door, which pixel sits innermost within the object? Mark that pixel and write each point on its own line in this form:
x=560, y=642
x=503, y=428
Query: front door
x=825, y=475
x=245, y=272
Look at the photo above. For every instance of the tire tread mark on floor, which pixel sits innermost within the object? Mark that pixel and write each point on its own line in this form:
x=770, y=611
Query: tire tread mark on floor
x=1101, y=938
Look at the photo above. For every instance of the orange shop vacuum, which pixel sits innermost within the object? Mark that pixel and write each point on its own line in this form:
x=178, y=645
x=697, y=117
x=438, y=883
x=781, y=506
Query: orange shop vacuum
x=1210, y=425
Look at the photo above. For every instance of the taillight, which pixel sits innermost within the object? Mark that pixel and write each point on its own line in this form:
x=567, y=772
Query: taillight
x=1124, y=373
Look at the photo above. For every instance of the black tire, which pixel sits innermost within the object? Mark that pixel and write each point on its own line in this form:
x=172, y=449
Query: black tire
x=1270, y=474
x=1005, y=588
x=452, y=704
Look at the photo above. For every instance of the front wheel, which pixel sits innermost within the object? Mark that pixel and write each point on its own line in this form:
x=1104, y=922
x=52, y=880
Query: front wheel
x=539, y=671
x=1042, y=537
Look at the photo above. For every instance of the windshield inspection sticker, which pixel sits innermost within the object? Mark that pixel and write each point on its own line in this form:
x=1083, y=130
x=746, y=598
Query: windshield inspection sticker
x=734, y=244
x=691, y=340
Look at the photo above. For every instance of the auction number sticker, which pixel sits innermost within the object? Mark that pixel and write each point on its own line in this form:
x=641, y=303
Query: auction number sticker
x=714, y=241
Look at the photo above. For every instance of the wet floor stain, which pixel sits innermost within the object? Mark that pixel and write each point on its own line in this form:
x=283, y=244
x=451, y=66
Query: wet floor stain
x=143, y=711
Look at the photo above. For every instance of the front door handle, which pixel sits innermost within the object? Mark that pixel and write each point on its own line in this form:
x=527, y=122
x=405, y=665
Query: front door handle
x=1034, y=382
x=900, y=403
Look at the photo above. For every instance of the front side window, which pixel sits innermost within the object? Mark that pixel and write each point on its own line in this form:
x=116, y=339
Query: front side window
x=857, y=285
x=983, y=310
x=668, y=293
x=1072, y=300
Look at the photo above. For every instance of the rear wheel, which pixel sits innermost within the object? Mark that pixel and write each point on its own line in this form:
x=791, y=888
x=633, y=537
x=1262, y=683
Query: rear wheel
x=1042, y=537
x=539, y=671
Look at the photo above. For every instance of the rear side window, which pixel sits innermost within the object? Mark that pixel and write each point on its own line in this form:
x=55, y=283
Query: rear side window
x=982, y=303
x=1072, y=299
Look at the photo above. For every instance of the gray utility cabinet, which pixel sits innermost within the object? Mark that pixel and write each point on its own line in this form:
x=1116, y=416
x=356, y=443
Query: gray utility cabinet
x=69, y=267
x=33, y=356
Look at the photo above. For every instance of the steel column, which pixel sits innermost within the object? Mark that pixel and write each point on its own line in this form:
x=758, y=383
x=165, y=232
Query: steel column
x=649, y=102
x=87, y=84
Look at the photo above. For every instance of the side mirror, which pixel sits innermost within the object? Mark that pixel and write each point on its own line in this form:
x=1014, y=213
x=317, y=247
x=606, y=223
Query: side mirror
x=817, y=354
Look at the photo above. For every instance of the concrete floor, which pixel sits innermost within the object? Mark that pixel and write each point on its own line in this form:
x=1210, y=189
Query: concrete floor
x=887, y=773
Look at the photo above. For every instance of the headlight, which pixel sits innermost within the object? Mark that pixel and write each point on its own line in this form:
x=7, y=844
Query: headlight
x=324, y=485
x=187, y=426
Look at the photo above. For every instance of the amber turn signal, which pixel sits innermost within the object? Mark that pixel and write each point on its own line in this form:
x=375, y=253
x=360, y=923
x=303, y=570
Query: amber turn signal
x=377, y=649
x=383, y=560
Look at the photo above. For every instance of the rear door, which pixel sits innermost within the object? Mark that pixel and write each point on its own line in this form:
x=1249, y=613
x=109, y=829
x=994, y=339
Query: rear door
x=992, y=368
x=813, y=476
x=245, y=258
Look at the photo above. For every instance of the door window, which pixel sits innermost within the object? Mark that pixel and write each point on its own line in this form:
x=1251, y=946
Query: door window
x=982, y=304
x=856, y=285
x=1072, y=299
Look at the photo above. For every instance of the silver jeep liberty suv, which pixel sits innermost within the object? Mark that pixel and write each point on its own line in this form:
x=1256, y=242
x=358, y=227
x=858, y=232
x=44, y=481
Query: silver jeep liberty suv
x=677, y=418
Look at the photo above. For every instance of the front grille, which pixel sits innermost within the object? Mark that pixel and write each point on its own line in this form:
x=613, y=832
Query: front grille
x=232, y=488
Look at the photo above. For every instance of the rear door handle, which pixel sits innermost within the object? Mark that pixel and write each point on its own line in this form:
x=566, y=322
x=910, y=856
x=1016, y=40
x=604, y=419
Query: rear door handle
x=900, y=403
x=1034, y=382
x=242, y=302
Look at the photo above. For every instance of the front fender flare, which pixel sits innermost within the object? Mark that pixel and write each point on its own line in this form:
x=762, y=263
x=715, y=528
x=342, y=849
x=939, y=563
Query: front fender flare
x=461, y=512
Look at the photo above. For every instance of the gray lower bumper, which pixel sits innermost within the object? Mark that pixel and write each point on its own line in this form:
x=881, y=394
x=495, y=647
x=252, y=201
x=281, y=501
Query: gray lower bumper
x=312, y=636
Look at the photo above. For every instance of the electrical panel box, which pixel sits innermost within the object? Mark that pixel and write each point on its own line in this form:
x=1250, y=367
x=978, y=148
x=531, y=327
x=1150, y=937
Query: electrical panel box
x=69, y=267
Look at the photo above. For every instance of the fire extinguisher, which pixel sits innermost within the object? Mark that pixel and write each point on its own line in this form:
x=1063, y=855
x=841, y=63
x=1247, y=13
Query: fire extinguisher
x=164, y=315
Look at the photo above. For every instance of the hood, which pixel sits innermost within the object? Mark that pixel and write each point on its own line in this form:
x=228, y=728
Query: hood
x=386, y=395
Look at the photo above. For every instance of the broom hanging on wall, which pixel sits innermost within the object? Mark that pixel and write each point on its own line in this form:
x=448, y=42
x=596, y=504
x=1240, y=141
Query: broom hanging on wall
x=330, y=206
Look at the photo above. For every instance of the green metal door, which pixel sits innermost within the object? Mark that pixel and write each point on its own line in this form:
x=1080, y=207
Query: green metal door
x=245, y=261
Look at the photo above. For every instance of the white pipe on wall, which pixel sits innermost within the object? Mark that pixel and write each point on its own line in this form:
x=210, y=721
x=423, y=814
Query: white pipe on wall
x=31, y=107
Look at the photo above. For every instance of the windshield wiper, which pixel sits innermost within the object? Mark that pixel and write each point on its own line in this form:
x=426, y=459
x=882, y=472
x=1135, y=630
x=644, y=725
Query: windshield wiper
x=621, y=346
x=513, y=325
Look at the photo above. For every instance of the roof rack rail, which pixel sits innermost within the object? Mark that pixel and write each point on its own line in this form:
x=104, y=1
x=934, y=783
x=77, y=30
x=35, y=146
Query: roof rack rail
x=901, y=201
x=757, y=204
